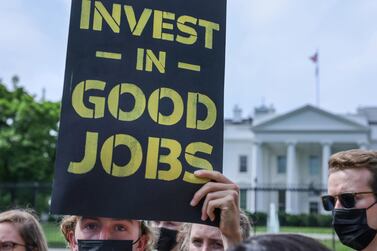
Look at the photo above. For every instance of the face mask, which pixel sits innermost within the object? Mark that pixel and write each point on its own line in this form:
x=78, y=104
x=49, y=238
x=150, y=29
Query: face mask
x=167, y=239
x=352, y=228
x=105, y=245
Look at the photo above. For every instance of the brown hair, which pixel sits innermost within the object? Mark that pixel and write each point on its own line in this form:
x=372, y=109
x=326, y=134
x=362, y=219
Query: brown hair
x=355, y=159
x=28, y=228
x=68, y=224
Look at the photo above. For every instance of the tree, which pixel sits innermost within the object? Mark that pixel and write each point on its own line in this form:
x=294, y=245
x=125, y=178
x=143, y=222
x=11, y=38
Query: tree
x=28, y=134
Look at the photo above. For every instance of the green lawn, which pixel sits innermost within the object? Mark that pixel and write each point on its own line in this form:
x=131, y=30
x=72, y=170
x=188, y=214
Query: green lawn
x=319, y=230
x=53, y=235
x=338, y=246
x=56, y=239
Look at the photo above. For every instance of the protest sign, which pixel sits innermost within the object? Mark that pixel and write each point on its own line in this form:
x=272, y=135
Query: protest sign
x=142, y=108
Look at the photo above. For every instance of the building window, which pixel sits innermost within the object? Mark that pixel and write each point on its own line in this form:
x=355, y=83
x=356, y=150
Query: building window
x=282, y=164
x=313, y=207
x=243, y=163
x=243, y=198
x=314, y=165
x=281, y=200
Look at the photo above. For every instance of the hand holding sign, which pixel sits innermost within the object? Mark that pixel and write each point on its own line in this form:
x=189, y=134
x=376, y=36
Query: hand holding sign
x=223, y=194
x=142, y=108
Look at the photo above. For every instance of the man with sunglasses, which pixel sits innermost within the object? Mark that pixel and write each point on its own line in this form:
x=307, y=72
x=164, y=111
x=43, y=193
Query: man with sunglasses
x=352, y=197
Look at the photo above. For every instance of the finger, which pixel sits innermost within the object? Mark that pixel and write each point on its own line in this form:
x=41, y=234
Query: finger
x=213, y=204
x=211, y=197
x=230, y=200
x=209, y=188
x=227, y=204
x=212, y=175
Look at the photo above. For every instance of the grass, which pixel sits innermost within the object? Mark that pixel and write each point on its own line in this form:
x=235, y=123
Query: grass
x=338, y=245
x=55, y=238
x=305, y=230
x=53, y=235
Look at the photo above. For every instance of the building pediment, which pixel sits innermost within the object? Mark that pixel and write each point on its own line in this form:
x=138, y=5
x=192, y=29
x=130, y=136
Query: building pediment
x=309, y=118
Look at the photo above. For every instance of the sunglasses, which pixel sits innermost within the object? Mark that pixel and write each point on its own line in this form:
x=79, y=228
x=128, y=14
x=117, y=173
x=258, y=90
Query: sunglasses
x=347, y=200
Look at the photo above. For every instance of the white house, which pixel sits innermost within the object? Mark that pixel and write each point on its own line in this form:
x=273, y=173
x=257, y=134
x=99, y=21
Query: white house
x=290, y=150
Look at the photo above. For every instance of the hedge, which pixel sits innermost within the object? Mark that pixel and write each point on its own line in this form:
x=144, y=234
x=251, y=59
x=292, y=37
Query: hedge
x=299, y=220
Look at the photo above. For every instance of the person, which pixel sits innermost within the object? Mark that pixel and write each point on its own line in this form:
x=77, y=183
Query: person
x=196, y=237
x=21, y=231
x=352, y=197
x=219, y=193
x=76, y=228
x=167, y=237
x=280, y=242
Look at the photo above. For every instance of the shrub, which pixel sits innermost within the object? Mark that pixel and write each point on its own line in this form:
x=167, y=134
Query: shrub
x=258, y=218
x=300, y=220
x=324, y=220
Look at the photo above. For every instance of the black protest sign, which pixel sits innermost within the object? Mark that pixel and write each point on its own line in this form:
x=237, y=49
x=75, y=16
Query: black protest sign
x=142, y=108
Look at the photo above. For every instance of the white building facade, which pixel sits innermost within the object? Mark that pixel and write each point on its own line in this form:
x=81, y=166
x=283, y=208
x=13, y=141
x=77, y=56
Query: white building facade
x=284, y=155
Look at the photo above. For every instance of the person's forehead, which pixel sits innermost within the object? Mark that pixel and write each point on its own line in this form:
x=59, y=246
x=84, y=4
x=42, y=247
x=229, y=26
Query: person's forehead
x=167, y=224
x=9, y=232
x=205, y=232
x=109, y=220
x=349, y=180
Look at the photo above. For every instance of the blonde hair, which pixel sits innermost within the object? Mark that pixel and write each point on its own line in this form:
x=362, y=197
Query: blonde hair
x=28, y=228
x=68, y=225
x=183, y=237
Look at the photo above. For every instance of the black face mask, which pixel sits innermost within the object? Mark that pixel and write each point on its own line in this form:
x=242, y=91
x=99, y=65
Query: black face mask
x=167, y=239
x=352, y=228
x=105, y=245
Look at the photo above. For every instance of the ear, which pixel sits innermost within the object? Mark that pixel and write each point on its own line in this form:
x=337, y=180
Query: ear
x=142, y=243
x=72, y=241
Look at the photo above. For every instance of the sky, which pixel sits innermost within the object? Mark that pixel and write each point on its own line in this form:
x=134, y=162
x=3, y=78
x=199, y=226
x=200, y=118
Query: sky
x=268, y=46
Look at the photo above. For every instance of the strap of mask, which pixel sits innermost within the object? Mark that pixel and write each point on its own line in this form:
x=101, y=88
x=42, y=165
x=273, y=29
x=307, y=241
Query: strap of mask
x=372, y=205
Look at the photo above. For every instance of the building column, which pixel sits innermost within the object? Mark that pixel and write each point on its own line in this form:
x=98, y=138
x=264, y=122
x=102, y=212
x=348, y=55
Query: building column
x=326, y=153
x=291, y=205
x=255, y=173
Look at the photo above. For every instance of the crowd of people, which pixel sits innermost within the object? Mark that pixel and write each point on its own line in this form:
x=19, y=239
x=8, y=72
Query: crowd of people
x=352, y=192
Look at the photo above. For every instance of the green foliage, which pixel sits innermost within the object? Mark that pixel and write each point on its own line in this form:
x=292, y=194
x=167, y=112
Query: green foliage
x=257, y=219
x=28, y=134
x=5, y=199
x=305, y=220
x=300, y=220
x=324, y=220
